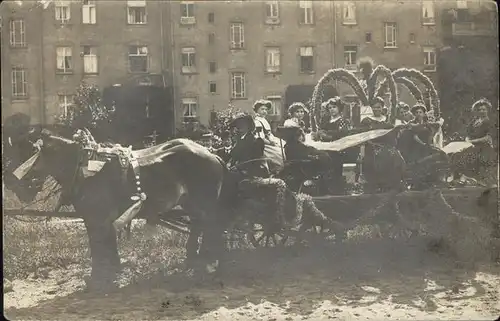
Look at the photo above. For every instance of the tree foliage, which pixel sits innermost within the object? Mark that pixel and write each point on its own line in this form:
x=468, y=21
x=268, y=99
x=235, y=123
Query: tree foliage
x=87, y=109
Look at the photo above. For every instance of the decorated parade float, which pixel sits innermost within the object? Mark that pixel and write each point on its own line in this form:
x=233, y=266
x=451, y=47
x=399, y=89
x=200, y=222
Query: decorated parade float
x=268, y=213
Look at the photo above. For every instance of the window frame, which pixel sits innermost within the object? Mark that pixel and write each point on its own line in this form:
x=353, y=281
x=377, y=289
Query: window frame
x=302, y=71
x=429, y=52
x=64, y=56
x=190, y=18
x=193, y=116
x=13, y=34
x=273, y=50
x=58, y=12
x=270, y=8
x=353, y=65
x=306, y=7
x=24, y=83
x=349, y=6
x=210, y=83
x=94, y=55
x=394, y=27
x=232, y=26
x=136, y=4
x=64, y=106
x=431, y=19
x=242, y=76
x=92, y=12
x=137, y=54
x=273, y=99
x=189, y=51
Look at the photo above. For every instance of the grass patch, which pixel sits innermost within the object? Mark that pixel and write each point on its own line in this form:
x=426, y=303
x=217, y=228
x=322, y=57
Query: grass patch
x=32, y=247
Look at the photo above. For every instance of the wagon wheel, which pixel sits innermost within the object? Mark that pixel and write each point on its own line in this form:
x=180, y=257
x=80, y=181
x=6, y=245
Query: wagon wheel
x=262, y=236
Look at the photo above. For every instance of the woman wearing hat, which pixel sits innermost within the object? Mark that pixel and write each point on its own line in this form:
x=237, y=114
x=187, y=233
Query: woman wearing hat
x=248, y=151
x=297, y=112
x=481, y=155
x=333, y=124
x=262, y=127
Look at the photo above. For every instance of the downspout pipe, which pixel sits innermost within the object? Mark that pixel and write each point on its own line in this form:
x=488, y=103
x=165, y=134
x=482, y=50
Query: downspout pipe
x=43, y=111
x=173, y=67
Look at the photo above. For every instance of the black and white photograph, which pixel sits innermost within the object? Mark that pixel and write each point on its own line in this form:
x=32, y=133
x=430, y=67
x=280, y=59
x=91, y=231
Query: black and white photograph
x=250, y=160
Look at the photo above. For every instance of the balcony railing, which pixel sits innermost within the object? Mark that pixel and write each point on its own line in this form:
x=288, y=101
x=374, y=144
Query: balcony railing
x=472, y=29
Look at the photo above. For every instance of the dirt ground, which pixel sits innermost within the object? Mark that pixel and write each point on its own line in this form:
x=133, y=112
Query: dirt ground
x=374, y=279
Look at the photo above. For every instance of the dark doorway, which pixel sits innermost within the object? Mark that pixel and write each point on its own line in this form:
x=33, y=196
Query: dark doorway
x=144, y=114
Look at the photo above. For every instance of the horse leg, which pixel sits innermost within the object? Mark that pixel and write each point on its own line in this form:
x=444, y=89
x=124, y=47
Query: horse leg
x=103, y=250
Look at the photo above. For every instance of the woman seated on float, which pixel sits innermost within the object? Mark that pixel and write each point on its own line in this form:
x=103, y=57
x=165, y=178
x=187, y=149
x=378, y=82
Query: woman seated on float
x=297, y=112
x=248, y=151
x=481, y=156
x=262, y=127
x=377, y=120
x=333, y=124
x=303, y=162
x=403, y=116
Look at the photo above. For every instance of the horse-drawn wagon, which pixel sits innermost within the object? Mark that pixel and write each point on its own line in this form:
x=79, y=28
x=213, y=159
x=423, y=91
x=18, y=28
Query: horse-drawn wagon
x=111, y=185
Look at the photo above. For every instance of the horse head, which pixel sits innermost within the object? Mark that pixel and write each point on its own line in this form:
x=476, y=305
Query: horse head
x=37, y=154
x=18, y=147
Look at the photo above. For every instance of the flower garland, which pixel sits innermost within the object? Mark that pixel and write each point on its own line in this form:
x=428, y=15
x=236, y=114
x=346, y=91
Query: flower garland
x=410, y=85
x=340, y=74
x=372, y=83
x=434, y=102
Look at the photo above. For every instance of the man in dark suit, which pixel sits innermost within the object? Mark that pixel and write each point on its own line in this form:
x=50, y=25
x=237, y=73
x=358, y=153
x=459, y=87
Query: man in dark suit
x=248, y=151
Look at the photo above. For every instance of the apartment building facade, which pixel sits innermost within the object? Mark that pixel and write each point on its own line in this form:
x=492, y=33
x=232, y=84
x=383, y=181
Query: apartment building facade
x=208, y=54
x=120, y=46
x=395, y=34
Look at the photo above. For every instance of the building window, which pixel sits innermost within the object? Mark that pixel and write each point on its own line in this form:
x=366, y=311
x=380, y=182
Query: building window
x=461, y=4
x=187, y=13
x=138, y=59
x=90, y=60
x=306, y=12
x=306, y=59
x=63, y=11
x=211, y=38
x=188, y=60
x=88, y=12
x=412, y=38
x=350, y=57
x=272, y=12
x=17, y=33
x=64, y=59
x=19, y=83
x=428, y=13
x=237, y=35
x=136, y=12
x=189, y=110
x=212, y=86
x=276, y=105
x=429, y=59
x=273, y=59
x=211, y=17
x=349, y=13
x=65, y=103
x=212, y=67
x=368, y=37
x=390, y=29
x=238, y=85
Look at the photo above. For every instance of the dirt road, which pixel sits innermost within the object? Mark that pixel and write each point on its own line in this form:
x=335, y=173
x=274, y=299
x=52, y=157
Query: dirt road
x=372, y=280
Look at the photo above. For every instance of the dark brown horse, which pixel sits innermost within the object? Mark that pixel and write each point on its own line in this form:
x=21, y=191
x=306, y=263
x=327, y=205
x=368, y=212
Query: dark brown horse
x=178, y=172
